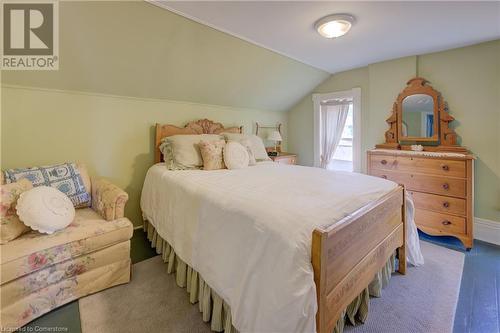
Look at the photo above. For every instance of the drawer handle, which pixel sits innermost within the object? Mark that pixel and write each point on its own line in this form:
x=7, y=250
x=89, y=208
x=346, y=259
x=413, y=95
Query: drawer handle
x=446, y=186
x=445, y=167
x=384, y=162
x=446, y=204
x=384, y=176
x=446, y=222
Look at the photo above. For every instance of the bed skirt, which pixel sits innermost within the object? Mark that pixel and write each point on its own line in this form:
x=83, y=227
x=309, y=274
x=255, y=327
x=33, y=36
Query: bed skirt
x=216, y=311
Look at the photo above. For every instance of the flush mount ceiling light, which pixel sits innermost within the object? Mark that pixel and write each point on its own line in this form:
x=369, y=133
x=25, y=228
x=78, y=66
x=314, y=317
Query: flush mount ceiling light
x=335, y=25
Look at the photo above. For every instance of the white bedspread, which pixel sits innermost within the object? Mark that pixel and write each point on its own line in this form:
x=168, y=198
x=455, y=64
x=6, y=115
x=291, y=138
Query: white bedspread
x=248, y=232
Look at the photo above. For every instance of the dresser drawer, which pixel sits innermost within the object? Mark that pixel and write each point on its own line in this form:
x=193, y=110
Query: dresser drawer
x=285, y=160
x=425, y=183
x=439, y=203
x=444, y=223
x=451, y=168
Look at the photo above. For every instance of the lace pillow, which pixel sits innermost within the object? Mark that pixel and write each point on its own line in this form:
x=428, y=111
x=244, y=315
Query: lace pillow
x=69, y=178
x=235, y=155
x=11, y=226
x=211, y=153
x=45, y=209
x=182, y=152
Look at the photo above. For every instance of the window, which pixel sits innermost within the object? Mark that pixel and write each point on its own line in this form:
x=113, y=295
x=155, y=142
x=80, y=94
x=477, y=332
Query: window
x=347, y=154
x=343, y=157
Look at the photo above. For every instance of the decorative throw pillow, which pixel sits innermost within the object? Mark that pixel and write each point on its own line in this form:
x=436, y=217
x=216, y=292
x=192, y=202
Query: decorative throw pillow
x=211, y=153
x=45, y=209
x=251, y=157
x=69, y=178
x=235, y=155
x=182, y=152
x=11, y=226
x=256, y=144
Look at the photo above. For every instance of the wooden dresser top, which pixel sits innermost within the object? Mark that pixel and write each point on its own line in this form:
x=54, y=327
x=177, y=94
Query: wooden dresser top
x=424, y=154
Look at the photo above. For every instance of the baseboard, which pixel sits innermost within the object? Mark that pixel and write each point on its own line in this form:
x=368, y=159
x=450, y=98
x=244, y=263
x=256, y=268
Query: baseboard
x=487, y=230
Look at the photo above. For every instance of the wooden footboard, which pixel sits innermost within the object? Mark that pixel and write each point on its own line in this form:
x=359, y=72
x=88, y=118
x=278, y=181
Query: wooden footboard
x=347, y=255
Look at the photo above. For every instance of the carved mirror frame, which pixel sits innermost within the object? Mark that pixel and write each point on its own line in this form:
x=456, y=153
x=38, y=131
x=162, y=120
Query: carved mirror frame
x=444, y=136
x=414, y=87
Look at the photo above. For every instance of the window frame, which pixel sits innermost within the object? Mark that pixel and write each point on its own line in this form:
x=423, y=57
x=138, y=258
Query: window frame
x=355, y=95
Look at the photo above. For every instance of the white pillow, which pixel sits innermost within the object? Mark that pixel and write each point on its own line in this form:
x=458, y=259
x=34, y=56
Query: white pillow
x=248, y=146
x=182, y=152
x=259, y=151
x=45, y=209
x=235, y=155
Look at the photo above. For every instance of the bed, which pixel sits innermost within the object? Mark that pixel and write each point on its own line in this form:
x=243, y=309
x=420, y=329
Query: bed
x=282, y=248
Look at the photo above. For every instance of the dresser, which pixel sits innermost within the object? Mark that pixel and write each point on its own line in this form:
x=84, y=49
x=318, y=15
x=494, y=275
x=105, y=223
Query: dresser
x=441, y=185
x=285, y=158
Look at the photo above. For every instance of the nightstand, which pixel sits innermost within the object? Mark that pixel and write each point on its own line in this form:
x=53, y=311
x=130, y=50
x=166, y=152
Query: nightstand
x=285, y=158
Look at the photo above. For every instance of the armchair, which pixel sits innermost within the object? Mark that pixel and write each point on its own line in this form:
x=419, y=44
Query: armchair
x=40, y=272
x=108, y=199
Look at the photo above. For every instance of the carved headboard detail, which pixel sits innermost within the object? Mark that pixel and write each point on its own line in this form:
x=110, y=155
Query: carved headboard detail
x=202, y=126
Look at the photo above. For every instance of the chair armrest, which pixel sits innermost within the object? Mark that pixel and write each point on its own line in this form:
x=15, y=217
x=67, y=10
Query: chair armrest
x=108, y=199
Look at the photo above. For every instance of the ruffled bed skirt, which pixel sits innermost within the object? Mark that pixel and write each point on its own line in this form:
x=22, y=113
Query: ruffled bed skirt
x=216, y=311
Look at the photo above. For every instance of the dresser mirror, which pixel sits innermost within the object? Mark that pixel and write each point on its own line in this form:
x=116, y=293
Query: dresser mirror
x=420, y=116
x=417, y=118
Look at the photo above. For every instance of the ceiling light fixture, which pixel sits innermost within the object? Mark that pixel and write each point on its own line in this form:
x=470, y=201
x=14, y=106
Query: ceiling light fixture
x=333, y=26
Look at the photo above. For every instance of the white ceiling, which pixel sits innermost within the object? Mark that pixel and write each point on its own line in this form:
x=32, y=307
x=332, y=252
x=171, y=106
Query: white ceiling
x=383, y=31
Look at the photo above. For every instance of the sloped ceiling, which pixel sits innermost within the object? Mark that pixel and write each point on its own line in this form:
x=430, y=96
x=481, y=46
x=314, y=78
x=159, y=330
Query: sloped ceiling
x=383, y=30
x=137, y=49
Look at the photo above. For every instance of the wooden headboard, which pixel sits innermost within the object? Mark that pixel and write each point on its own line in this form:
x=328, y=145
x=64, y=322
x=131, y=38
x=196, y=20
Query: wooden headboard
x=202, y=126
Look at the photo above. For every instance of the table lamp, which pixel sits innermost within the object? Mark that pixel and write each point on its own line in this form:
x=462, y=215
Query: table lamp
x=275, y=136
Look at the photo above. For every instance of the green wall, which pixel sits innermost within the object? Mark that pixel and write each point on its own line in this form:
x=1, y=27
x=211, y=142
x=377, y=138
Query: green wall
x=468, y=78
x=113, y=135
x=133, y=48
x=415, y=119
x=300, y=117
x=126, y=65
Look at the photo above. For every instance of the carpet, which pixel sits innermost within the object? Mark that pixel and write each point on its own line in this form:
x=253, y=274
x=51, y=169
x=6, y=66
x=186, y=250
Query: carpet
x=422, y=301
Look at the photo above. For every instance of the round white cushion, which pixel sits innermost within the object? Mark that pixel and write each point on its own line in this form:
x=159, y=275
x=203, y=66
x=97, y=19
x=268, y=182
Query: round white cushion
x=45, y=209
x=235, y=155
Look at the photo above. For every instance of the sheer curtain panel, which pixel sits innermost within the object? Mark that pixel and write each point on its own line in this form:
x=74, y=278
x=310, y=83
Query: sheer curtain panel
x=333, y=117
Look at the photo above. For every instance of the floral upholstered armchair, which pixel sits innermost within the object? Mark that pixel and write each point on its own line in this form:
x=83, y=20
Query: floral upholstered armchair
x=108, y=199
x=40, y=272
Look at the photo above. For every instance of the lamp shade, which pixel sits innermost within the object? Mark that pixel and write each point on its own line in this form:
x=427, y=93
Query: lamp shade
x=274, y=136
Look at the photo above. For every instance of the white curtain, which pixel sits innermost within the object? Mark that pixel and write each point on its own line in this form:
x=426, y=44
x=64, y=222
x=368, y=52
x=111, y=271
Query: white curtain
x=333, y=117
